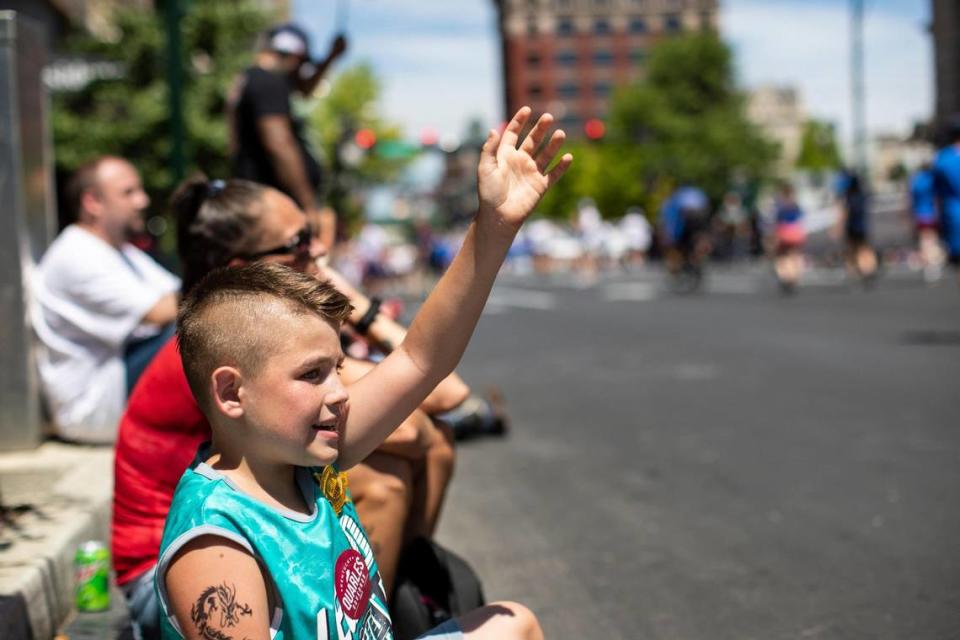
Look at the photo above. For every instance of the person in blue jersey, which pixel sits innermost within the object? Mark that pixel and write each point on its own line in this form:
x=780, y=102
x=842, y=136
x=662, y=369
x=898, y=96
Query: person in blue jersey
x=790, y=236
x=262, y=540
x=924, y=214
x=683, y=232
x=946, y=176
x=853, y=224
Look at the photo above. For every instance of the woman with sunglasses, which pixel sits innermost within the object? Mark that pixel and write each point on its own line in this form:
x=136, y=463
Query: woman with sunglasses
x=399, y=489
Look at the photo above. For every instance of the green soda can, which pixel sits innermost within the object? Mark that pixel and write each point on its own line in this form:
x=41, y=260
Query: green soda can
x=92, y=566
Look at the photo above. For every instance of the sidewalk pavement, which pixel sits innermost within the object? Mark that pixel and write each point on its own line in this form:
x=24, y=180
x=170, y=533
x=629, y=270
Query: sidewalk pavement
x=55, y=497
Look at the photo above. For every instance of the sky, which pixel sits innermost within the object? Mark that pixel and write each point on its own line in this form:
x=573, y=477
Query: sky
x=439, y=60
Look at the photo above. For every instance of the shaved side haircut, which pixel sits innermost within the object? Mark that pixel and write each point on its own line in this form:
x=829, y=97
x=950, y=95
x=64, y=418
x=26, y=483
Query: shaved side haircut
x=222, y=319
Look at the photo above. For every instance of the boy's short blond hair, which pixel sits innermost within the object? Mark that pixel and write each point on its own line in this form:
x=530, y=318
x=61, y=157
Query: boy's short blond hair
x=221, y=320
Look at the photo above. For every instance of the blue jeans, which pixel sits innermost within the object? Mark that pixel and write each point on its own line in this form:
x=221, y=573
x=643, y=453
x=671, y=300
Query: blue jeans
x=138, y=354
x=143, y=605
x=449, y=630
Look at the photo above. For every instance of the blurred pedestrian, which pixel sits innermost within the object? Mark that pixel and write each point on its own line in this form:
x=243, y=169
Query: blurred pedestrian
x=102, y=307
x=853, y=221
x=589, y=227
x=268, y=142
x=924, y=210
x=733, y=226
x=635, y=226
x=946, y=171
x=789, y=239
x=684, y=221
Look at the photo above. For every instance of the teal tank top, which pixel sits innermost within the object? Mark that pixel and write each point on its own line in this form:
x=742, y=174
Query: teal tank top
x=326, y=584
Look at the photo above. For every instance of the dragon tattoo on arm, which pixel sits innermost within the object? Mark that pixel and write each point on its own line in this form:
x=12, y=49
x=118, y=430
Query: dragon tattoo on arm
x=216, y=610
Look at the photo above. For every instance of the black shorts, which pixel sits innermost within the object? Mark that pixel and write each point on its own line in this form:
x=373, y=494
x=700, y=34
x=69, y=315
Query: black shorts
x=856, y=236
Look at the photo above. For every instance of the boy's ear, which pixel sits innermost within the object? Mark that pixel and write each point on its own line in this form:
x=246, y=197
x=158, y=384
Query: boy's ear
x=226, y=391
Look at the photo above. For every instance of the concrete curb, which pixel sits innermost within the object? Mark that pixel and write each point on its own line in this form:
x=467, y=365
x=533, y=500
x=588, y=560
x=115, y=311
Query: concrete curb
x=69, y=489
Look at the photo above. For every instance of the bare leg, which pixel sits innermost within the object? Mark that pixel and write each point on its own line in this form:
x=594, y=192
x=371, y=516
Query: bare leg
x=866, y=260
x=382, y=489
x=501, y=621
x=431, y=479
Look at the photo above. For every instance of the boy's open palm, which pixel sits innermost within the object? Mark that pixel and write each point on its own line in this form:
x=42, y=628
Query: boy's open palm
x=512, y=178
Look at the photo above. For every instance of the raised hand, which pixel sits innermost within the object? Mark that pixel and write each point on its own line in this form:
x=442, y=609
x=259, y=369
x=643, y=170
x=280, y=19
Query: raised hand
x=511, y=179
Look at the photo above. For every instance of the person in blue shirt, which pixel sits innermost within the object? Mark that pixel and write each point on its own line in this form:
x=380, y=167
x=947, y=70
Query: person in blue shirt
x=683, y=225
x=946, y=180
x=924, y=211
x=262, y=539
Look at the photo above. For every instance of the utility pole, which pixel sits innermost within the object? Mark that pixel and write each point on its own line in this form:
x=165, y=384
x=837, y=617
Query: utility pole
x=175, y=85
x=857, y=101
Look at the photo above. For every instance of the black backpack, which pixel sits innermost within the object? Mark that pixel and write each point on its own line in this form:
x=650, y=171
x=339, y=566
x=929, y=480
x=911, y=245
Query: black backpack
x=433, y=585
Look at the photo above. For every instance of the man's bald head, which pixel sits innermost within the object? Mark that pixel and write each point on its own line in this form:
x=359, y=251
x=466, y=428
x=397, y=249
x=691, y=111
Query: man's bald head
x=107, y=196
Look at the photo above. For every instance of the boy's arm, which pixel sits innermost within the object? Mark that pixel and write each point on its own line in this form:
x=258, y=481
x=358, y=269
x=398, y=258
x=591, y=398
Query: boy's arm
x=386, y=334
x=511, y=181
x=216, y=590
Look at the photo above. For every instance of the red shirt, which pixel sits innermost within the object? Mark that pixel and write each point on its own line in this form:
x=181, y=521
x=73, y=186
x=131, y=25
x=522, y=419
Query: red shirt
x=158, y=437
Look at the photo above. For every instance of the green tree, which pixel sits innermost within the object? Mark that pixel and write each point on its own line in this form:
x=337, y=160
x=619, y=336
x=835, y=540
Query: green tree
x=130, y=117
x=351, y=105
x=818, y=148
x=684, y=123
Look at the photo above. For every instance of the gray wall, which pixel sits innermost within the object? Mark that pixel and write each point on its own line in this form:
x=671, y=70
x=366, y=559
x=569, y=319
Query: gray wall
x=27, y=218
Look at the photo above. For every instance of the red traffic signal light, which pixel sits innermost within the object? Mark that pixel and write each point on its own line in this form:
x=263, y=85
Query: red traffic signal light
x=594, y=128
x=365, y=138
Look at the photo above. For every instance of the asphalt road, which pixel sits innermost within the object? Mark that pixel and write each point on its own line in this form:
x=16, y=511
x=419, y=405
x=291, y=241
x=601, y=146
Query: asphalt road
x=729, y=465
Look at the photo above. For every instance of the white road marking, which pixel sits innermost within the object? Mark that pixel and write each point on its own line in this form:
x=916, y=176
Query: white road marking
x=523, y=299
x=631, y=291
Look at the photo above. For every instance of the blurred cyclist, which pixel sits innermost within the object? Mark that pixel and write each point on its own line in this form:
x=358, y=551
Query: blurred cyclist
x=684, y=221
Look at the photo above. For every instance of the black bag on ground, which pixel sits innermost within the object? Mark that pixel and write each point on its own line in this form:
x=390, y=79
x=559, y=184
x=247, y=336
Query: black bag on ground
x=433, y=585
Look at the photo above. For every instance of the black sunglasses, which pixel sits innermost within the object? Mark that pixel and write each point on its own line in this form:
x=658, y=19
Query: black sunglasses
x=298, y=245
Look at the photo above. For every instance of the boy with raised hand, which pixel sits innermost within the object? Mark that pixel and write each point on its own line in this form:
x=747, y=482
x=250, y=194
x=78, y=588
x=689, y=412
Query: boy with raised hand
x=262, y=540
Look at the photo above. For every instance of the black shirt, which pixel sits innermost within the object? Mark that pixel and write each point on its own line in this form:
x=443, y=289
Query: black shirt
x=265, y=93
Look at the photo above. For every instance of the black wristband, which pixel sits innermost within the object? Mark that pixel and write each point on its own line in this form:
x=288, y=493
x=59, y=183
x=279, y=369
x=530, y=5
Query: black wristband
x=364, y=323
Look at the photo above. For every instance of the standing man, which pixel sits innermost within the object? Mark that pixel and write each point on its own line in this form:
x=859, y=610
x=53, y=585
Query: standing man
x=268, y=142
x=946, y=180
x=102, y=308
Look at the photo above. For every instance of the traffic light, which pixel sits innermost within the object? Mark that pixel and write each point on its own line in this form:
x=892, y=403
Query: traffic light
x=365, y=139
x=594, y=128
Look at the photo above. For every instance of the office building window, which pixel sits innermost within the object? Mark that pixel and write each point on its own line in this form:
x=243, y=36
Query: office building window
x=566, y=58
x=601, y=27
x=565, y=26
x=602, y=89
x=603, y=58
x=637, y=56
x=673, y=24
x=534, y=90
x=568, y=90
x=570, y=123
x=638, y=25
x=533, y=60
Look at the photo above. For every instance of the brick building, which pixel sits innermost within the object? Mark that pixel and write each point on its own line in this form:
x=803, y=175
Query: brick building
x=566, y=56
x=946, y=45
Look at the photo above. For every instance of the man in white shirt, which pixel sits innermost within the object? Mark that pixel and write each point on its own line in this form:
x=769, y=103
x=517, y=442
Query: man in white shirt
x=102, y=307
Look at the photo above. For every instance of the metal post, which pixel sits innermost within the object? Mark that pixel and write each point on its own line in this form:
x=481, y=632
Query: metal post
x=858, y=103
x=175, y=84
x=27, y=219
